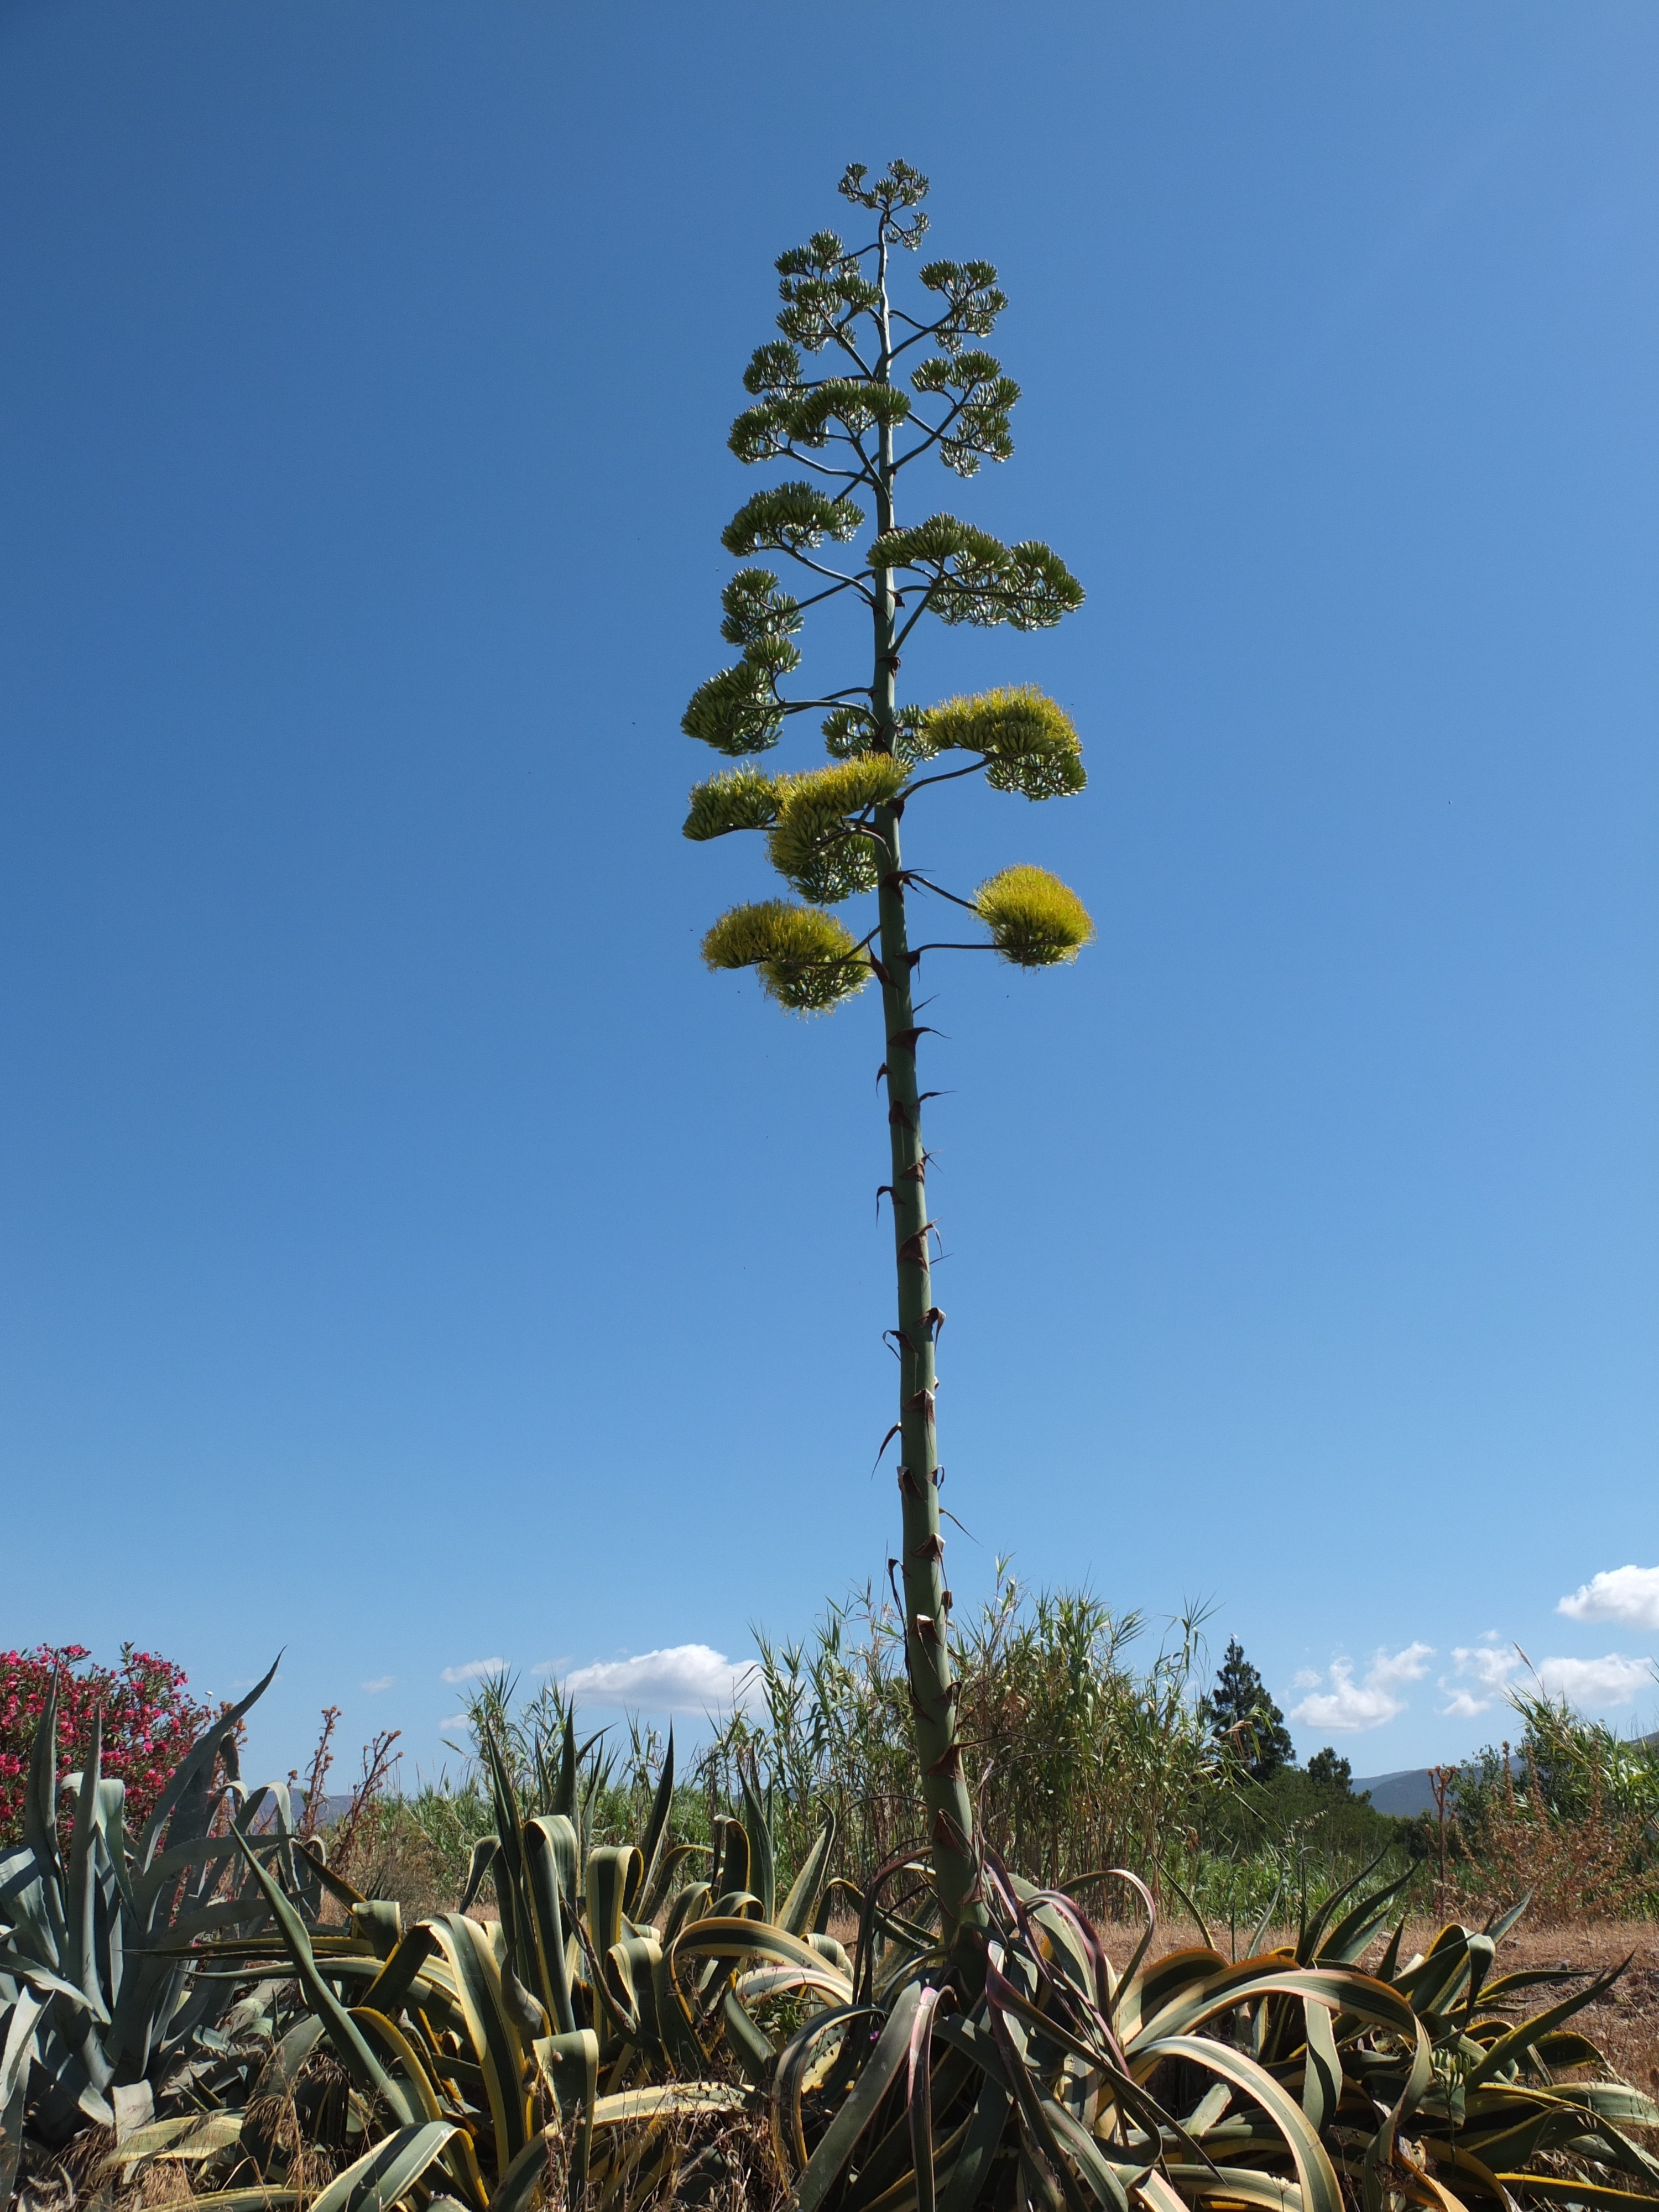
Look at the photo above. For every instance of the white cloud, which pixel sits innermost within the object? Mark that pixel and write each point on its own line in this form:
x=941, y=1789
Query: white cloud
x=1483, y=1674
x=1306, y=1678
x=1591, y=1683
x=1627, y=1595
x=1350, y=1705
x=472, y=1669
x=1489, y=1665
x=380, y=1682
x=685, y=1678
x=454, y=1720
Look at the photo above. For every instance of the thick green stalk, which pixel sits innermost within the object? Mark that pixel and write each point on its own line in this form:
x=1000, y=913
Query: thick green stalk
x=927, y=1598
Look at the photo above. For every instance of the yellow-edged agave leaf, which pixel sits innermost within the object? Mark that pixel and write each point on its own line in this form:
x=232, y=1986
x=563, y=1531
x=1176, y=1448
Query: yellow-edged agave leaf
x=1343, y=1990
x=724, y=1937
x=1225, y=2184
x=255, y=2199
x=771, y=1981
x=1425, y=2189
x=416, y=2074
x=344, y=2036
x=802, y=1901
x=1464, y=2161
x=1612, y=2100
x=1321, y=2191
x=183, y=2138
x=1146, y=1993
x=1085, y=2153
x=388, y=2171
x=801, y=2067
x=1555, y=2189
x=1509, y=2048
x=669, y=2100
x=748, y=2042
x=863, y=2100
x=496, y=2048
x=1321, y=2072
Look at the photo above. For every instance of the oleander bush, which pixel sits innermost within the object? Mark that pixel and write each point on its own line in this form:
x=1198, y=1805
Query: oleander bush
x=143, y=1707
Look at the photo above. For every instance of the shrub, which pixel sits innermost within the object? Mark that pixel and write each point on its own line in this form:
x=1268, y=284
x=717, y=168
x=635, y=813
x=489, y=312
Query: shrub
x=150, y=1721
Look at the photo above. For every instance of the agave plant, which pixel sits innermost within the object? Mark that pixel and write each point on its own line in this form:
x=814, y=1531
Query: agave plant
x=1290, y=2080
x=104, y=2018
x=590, y=2040
x=613, y=2008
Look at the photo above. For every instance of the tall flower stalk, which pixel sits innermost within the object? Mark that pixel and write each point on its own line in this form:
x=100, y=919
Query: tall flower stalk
x=832, y=833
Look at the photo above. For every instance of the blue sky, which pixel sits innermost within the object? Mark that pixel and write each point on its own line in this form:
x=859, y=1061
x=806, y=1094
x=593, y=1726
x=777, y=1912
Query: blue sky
x=411, y=1256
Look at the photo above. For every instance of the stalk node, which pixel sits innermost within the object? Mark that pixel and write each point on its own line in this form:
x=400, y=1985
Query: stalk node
x=946, y=1833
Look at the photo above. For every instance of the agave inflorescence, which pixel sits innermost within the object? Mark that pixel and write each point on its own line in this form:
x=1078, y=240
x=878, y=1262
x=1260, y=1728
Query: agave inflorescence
x=834, y=833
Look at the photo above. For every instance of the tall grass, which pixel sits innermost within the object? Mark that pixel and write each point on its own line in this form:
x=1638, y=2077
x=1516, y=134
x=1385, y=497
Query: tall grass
x=1079, y=1759
x=1569, y=1820
x=1086, y=1750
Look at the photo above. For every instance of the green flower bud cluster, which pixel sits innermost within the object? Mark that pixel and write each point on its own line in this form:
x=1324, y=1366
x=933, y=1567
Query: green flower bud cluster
x=973, y=301
x=737, y=712
x=755, y=611
x=790, y=518
x=975, y=578
x=823, y=287
x=804, y=418
x=984, y=395
x=901, y=186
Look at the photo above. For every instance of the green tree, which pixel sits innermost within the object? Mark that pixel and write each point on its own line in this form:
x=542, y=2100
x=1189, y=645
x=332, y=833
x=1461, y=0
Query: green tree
x=1328, y=1771
x=1239, y=1709
x=833, y=832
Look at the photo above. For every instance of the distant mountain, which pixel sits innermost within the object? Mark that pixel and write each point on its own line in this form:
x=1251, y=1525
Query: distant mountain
x=1405, y=1795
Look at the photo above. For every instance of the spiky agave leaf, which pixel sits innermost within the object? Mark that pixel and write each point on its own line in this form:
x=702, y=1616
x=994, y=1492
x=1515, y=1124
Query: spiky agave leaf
x=806, y=960
x=812, y=844
x=1035, y=920
x=742, y=799
x=1030, y=743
